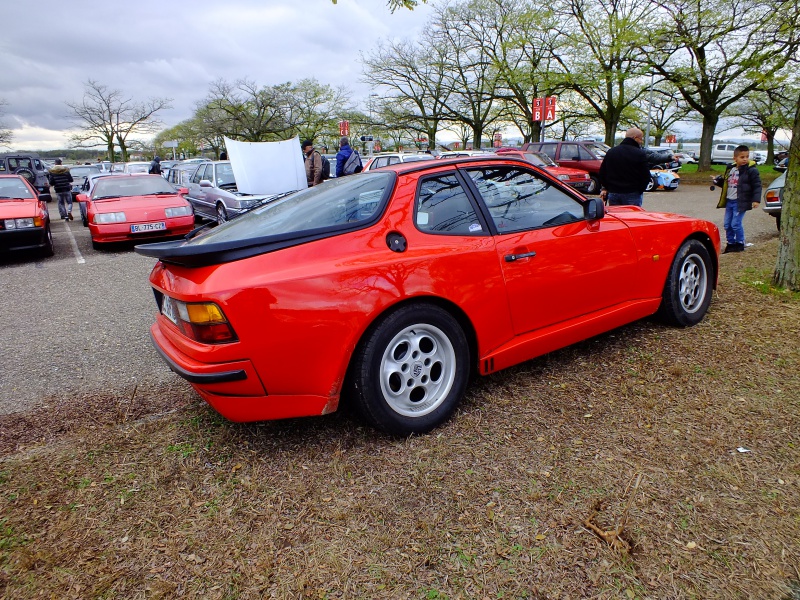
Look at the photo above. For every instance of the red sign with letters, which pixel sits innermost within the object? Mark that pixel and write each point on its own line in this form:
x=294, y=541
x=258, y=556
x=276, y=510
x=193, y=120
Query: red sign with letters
x=344, y=127
x=544, y=109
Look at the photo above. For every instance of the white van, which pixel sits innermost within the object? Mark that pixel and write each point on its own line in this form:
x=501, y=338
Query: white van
x=723, y=154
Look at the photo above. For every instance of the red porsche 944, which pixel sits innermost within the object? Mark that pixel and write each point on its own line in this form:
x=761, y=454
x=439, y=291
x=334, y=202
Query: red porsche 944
x=129, y=207
x=390, y=288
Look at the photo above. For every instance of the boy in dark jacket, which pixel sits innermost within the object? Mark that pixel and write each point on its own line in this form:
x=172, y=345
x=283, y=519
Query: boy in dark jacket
x=741, y=191
x=61, y=179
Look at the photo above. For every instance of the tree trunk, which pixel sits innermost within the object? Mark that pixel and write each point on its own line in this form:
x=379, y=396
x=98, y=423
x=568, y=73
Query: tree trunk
x=110, y=152
x=787, y=269
x=707, y=142
x=611, y=132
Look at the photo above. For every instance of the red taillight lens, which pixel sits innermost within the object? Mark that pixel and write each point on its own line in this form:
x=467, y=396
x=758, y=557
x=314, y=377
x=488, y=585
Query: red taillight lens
x=772, y=196
x=201, y=321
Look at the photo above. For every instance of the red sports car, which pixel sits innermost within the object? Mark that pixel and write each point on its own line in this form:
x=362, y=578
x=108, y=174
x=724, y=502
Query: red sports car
x=577, y=178
x=135, y=206
x=24, y=219
x=391, y=287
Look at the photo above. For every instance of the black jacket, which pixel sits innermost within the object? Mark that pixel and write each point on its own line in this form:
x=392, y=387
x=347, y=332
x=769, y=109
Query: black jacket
x=60, y=178
x=748, y=190
x=625, y=168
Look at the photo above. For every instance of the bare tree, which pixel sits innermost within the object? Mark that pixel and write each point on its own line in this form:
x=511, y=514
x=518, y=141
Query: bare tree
x=664, y=107
x=5, y=134
x=107, y=117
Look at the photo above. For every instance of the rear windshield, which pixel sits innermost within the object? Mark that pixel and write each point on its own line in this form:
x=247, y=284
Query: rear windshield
x=83, y=171
x=344, y=201
x=13, y=187
x=123, y=187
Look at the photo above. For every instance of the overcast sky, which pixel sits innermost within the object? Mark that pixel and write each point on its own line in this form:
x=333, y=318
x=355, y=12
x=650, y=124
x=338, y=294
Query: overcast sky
x=175, y=50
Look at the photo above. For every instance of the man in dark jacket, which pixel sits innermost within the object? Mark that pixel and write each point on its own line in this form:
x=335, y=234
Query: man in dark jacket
x=625, y=171
x=61, y=179
x=741, y=191
x=341, y=157
x=155, y=166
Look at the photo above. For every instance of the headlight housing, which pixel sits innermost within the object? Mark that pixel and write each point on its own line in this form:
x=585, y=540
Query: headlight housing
x=563, y=177
x=178, y=211
x=24, y=223
x=116, y=217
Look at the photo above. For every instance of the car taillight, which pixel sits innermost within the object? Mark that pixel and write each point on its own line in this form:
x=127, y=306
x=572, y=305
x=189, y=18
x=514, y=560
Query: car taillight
x=200, y=321
x=772, y=196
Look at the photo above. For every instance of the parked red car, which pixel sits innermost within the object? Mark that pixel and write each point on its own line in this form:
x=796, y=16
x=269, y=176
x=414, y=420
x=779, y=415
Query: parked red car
x=390, y=288
x=24, y=218
x=135, y=206
x=576, y=178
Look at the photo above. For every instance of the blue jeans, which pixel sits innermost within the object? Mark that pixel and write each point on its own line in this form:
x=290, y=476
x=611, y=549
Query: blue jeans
x=625, y=199
x=734, y=231
x=64, y=204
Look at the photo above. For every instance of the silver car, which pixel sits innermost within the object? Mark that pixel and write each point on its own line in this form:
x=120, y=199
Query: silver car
x=214, y=195
x=773, y=196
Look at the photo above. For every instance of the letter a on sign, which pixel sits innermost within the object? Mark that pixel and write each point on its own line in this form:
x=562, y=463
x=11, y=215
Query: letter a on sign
x=550, y=108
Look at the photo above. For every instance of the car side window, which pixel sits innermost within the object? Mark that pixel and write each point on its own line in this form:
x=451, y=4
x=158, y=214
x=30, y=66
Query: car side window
x=519, y=200
x=198, y=174
x=584, y=154
x=570, y=152
x=549, y=149
x=39, y=165
x=443, y=207
x=393, y=160
x=2, y=166
x=381, y=161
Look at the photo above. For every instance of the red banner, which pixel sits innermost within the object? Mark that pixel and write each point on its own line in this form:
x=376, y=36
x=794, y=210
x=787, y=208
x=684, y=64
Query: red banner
x=544, y=109
x=344, y=127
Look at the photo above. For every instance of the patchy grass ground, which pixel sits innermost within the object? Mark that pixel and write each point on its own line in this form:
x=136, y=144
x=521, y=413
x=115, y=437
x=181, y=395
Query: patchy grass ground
x=687, y=440
x=689, y=174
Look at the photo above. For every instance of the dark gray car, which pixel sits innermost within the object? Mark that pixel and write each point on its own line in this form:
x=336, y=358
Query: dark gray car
x=214, y=195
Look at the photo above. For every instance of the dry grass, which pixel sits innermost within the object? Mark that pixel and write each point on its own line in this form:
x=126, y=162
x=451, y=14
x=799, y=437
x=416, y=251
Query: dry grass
x=493, y=505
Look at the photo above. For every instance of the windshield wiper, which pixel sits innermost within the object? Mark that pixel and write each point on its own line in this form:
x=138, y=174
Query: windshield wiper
x=106, y=197
x=264, y=201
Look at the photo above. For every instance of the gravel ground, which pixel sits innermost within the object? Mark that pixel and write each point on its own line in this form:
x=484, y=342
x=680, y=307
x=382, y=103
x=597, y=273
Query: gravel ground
x=77, y=324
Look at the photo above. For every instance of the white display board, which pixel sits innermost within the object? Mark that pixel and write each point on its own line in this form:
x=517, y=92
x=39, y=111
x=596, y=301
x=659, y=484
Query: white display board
x=267, y=167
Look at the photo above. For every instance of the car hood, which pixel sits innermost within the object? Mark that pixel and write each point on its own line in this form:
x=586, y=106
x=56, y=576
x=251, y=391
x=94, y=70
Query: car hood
x=18, y=209
x=138, y=204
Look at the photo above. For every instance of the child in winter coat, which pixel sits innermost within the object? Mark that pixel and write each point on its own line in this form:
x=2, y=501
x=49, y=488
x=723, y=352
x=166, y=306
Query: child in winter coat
x=741, y=191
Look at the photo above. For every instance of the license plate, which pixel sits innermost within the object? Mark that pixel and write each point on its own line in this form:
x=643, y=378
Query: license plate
x=168, y=309
x=142, y=227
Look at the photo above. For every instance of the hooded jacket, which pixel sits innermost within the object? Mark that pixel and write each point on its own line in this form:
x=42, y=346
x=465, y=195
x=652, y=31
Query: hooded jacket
x=60, y=178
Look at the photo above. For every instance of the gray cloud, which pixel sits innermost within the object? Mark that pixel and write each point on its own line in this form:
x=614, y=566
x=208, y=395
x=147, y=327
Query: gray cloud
x=176, y=51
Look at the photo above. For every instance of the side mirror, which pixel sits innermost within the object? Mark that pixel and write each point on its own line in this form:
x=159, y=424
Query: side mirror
x=205, y=183
x=183, y=191
x=594, y=209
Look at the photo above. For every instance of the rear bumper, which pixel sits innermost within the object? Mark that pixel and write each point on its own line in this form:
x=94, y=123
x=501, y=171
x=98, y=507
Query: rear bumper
x=234, y=389
x=773, y=210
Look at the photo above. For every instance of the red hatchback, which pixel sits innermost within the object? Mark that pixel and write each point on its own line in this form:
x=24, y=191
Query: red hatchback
x=576, y=178
x=390, y=288
x=134, y=207
x=24, y=219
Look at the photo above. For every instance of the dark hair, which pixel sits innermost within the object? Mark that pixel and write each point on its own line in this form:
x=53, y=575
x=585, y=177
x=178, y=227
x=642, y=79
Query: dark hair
x=306, y=144
x=740, y=149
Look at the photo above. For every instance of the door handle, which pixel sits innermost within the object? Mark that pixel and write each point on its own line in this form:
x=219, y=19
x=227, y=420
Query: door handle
x=514, y=257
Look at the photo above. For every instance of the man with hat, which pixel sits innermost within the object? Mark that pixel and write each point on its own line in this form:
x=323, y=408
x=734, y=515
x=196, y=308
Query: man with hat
x=313, y=163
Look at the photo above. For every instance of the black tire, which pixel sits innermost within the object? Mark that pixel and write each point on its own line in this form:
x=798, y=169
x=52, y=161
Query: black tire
x=222, y=214
x=688, y=289
x=594, y=185
x=48, y=249
x=778, y=222
x=97, y=246
x=27, y=174
x=411, y=370
x=651, y=185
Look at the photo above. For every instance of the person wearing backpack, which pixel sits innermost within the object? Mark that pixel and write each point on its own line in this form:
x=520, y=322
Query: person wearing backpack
x=348, y=161
x=313, y=163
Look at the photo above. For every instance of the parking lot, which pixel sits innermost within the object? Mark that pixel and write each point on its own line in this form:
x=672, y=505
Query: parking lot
x=77, y=324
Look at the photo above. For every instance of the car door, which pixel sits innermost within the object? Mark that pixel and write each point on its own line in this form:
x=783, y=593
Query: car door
x=197, y=195
x=556, y=264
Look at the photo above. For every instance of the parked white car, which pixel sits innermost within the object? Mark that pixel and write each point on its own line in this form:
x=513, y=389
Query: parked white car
x=723, y=154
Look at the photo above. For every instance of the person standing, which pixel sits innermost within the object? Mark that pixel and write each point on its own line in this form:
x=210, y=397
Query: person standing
x=155, y=166
x=313, y=163
x=345, y=165
x=625, y=171
x=741, y=191
x=61, y=180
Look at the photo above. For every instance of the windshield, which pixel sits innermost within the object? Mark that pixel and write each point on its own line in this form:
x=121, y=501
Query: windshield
x=137, y=167
x=340, y=201
x=123, y=187
x=83, y=171
x=598, y=148
x=540, y=159
x=13, y=187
